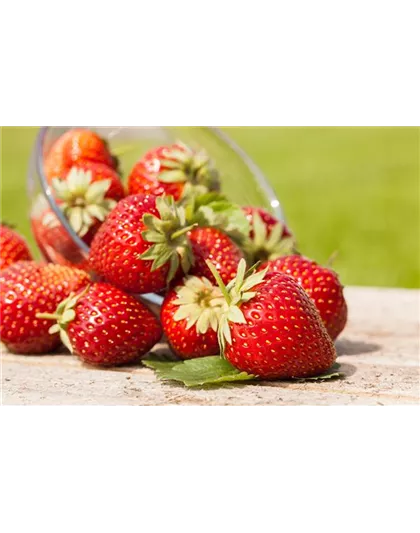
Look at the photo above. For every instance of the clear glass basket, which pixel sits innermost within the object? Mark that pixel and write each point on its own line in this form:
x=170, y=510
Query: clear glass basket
x=242, y=181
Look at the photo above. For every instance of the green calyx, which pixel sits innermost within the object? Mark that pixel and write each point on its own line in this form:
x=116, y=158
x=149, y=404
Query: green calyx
x=264, y=247
x=184, y=164
x=63, y=316
x=168, y=237
x=199, y=303
x=213, y=209
x=83, y=202
x=237, y=292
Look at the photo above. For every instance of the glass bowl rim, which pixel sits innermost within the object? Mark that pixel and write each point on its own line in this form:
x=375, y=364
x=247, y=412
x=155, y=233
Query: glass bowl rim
x=247, y=160
x=46, y=189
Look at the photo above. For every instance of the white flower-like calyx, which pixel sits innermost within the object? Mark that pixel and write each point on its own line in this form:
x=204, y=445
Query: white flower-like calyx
x=187, y=165
x=200, y=304
x=83, y=202
x=266, y=247
x=237, y=292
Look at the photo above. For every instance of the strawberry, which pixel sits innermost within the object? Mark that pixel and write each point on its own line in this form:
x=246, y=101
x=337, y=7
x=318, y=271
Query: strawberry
x=52, y=237
x=268, y=239
x=321, y=284
x=270, y=328
x=27, y=288
x=13, y=247
x=189, y=316
x=74, y=146
x=214, y=245
x=86, y=195
x=105, y=326
x=167, y=169
x=141, y=244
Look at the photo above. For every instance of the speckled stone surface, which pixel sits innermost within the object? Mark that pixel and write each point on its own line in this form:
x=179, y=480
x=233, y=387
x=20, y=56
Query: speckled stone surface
x=378, y=352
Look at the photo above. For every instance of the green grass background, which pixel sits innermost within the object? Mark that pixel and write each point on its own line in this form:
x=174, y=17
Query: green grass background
x=350, y=190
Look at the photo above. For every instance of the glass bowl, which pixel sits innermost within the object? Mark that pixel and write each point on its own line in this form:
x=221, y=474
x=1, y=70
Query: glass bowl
x=241, y=179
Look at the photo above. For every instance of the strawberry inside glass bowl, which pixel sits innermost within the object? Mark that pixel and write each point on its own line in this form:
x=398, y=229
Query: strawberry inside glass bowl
x=241, y=179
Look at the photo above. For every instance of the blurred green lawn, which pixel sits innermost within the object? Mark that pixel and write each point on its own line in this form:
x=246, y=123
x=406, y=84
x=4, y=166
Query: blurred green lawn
x=351, y=190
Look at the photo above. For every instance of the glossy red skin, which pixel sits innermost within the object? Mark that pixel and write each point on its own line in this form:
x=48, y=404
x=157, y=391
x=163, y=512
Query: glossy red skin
x=213, y=245
x=13, y=247
x=56, y=244
x=72, y=147
x=186, y=343
x=111, y=327
x=321, y=284
x=144, y=178
x=117, y=246
x=283, y=337
x=268, y=219
x=27, y=288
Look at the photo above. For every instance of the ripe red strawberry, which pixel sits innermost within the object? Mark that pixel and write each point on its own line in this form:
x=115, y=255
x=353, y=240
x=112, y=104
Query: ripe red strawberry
x=74, y=146
x=167, y=169
x=269, y=238
x=189, y=317
x=13, y=247
x=321, y=284
x=27, y=288
x=53, y=239
x=86, y=195
x=105, y=326
x=214, y=245
x=141, y=244
x=271, y=328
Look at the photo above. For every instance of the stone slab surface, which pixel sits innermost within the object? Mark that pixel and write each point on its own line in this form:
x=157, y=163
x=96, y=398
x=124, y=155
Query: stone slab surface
x=379, y=354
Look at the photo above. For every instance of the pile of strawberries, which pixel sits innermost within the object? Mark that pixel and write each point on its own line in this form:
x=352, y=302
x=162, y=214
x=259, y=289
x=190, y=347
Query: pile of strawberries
x=235, y=288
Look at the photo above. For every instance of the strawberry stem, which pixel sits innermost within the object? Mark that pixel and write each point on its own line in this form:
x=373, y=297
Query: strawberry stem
x=219, y=281
x=332, y=259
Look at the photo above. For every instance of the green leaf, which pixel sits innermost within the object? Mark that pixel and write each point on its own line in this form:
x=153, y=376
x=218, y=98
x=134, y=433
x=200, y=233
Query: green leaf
x=196, y=372
x=162, y=257
x=260, y=231
x=332, y=373
x=170, y=164
x=76, y=219
x=65, y=339
x=61, y=189
x=172, y=176
x=230, y=218
x=234, y=314
x=178, y=155
x=275, y=235
x=253, y=280
x=68, y=316
x=173, y=267
x=96, y=192
x=240, y=275
x=153, y=236
x=87, y=219
x=214, y=210
x=54, y=329
x=152, y=223
x=209, y=198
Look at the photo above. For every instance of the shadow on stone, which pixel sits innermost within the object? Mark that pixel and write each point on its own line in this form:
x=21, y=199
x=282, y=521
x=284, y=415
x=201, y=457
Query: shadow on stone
x=349, y=347
x=347, y=371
